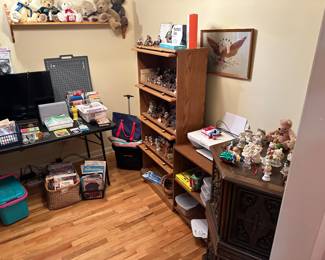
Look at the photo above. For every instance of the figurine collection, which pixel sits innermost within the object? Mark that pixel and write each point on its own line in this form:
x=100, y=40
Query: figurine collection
x=161, y=146
x=165, y=78
x=275, y=146
x=148, y=42
x=102, y=11
x=164, y=114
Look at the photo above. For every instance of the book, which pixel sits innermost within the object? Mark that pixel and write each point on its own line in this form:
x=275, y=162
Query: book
x=58, y=122
x=61, y=133
x=179, y=32
x=166, y=32
x=192, y=31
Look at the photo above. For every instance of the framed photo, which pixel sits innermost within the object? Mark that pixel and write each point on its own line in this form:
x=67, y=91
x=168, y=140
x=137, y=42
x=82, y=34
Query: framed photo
x=230, y=52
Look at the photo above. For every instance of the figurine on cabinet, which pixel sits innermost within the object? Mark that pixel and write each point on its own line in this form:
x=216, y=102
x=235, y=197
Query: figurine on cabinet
x=140, y=42
x=284, y=135
x=267, y=170
x=157, y=42
x=259, y=137
x=242, y=140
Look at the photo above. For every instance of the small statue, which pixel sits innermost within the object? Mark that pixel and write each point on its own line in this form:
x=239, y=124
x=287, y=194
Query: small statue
x=140, y=41
x=267, y=170
x=248, y=136
x=259, y=137
x=285, y=171
x=148, y=41
x=157, y=42
x=252, y=152
x=284, y=135
x=242, y=140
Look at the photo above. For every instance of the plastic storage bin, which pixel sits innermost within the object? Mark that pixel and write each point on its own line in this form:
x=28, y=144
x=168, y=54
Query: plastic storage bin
x=13, y=200
x=188, y=206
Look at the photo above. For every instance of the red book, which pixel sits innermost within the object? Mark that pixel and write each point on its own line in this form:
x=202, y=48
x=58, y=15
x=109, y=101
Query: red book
x=192, y=31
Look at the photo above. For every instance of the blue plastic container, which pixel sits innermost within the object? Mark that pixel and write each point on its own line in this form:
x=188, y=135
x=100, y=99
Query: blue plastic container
x=13, y=200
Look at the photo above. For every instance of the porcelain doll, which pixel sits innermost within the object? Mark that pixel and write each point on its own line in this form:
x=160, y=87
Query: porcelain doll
x=267, y=170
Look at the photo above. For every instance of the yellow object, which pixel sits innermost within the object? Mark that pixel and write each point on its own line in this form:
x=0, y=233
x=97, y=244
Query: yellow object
x=185, y=179
x=74, y=111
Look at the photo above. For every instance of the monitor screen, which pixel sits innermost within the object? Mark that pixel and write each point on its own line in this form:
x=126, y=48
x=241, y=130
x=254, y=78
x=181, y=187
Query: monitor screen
x=22, y=93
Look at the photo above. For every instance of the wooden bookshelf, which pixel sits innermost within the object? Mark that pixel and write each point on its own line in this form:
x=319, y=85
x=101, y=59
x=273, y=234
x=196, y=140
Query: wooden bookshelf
x=194, y=194
x=189, y=98
x=188, y=151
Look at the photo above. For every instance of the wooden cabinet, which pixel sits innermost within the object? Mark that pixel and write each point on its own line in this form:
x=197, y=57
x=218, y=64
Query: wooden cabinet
x=189, y=100
x=242, y=213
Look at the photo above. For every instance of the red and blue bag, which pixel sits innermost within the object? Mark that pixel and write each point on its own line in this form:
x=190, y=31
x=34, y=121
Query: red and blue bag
x=128, y=127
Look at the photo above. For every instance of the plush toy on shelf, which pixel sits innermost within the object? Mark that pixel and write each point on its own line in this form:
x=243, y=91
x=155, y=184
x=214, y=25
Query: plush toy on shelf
x=21, y=12
x=107, y=15
x=284, y=135
x=68, y=13
x=47, y=12
x=117, y=7
x=89, y=11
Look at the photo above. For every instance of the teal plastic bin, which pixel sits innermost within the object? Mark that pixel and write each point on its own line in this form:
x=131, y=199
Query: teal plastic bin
x=13, y=200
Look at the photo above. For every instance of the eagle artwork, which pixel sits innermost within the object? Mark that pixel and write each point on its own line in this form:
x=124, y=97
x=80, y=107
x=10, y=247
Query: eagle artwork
x=229, y=52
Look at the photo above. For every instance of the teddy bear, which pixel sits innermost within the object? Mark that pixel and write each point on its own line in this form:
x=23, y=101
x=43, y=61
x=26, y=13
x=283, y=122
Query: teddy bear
x=68, y=13
x=284, y=135
x=88, y=11
x=47, y=11
x=117, y=7
x=107, y=15
x=22, y=12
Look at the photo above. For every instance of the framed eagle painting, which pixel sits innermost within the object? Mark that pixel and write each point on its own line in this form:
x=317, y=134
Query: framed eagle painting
x=230, y=52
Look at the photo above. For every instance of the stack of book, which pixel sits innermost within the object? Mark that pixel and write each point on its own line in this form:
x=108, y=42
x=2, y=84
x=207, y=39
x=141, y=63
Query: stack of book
x=58, y=122
x=93, y=179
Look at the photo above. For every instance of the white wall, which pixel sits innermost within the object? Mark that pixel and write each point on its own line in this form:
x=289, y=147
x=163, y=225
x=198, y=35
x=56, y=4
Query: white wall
x=298, y=234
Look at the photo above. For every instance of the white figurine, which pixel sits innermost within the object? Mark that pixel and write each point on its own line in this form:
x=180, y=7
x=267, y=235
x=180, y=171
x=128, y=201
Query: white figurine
x=267, y=170
x=242, y=140
x=253, y=152
x=259, y=137
x=248, y=136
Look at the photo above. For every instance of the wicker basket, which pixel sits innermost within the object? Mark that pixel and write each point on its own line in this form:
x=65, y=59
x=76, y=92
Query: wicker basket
x=57, y=199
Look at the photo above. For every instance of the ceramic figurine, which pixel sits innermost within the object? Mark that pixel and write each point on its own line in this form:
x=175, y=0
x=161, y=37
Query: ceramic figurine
x=140, y=41
x=148, y=41
x=242, y=140
x=248, y=136
x=278, y=156
x=252, y=153
x=259, y=137
x=157, y=42
x=284, y=135
x=284, y=171
x=247, y=162
x=267, y=170
x=150, y=140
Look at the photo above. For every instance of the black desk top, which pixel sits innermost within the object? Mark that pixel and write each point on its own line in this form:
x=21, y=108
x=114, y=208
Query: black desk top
x=52, y=138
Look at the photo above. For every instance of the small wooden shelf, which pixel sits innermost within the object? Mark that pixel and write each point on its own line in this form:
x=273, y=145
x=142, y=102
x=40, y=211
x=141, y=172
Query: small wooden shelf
x=158, y=188
x=188, y=151
x=157, y=129
x=156, y=93
x=156, y=159
x=168, y=129
x=152, y=149
x=34, y=25
x=156, y=51
x=159, y=89
x=194, y=194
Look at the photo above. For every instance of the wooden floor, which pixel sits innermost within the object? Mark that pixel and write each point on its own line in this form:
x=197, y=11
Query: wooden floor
x=130, y=223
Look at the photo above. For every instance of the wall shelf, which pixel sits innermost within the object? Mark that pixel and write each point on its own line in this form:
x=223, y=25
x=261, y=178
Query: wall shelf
x=35, y=25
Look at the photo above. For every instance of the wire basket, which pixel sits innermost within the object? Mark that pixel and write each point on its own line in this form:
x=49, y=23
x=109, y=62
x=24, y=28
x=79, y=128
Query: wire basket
x=57, y=199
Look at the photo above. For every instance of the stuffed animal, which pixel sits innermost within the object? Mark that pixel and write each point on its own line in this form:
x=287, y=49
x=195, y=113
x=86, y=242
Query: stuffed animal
x=68, y=13
x=107, y=15
x=47, y=11
x=284, y=135
x=22, y=12
x=117, y=7
x=89, y=11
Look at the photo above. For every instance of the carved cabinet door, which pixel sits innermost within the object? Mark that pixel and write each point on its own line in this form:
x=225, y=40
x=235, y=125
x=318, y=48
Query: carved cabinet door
x=253, y=219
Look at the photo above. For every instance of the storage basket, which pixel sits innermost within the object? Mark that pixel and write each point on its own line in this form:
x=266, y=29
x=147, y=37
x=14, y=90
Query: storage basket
x=57, y=199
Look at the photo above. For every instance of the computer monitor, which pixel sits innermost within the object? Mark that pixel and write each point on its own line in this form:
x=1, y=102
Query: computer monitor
x=20, y=94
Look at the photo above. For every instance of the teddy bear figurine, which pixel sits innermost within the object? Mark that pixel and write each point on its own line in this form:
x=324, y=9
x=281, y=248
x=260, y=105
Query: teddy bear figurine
x=284, y=135
x=68, y=13
x=21, y=12
x=88, y=11
x=47, y=12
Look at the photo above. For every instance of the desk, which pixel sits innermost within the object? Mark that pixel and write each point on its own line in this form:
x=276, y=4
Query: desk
x=243, y=211
x=93, y=129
